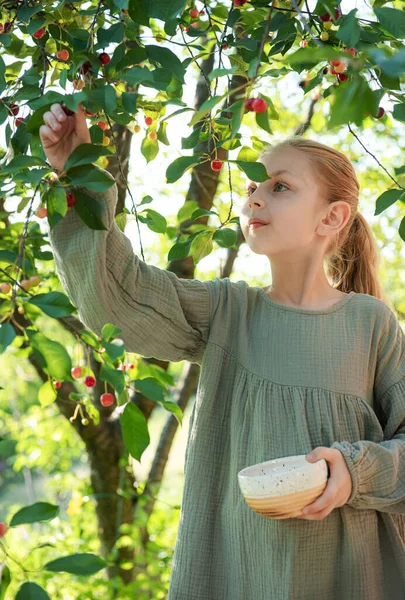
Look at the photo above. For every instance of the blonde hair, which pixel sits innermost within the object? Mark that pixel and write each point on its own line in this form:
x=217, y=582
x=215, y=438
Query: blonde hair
x=353, y=258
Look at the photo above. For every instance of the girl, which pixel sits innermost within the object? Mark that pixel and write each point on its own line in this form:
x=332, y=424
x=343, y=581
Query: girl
x=316, y=361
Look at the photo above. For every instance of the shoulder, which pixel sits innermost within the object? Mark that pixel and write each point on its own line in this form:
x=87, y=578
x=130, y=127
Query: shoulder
x=370, y=306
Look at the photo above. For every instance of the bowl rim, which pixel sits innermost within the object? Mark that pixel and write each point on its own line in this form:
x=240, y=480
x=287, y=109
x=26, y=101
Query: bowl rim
x=243, y=475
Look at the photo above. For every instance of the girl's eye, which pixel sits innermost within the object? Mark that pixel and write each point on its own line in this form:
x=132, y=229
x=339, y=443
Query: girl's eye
x=252, y=189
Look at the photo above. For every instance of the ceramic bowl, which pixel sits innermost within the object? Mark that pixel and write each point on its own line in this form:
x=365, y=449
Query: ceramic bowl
x=280, y=488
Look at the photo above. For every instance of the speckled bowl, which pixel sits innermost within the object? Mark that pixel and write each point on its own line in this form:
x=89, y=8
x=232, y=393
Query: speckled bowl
x=280, y=488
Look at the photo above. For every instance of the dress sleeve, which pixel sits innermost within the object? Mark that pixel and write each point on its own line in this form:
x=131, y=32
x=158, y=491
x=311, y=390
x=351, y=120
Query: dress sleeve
x=159, y=314
x=378, y=469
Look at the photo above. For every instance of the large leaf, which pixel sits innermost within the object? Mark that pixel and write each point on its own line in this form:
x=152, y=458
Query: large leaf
x=77, y=564
x=31, y=591
x=256, y=171
x=392, y=20
x=113, y=376
x=387, y=199
x=51, y=355
x=349, y=30
x=85, y=154
x=89, y=210
x=201, y=246
x=5, y=580
x=54, y=304
x=55, y=200
x=134, y=430
x=179, y=166
x=35, y=513
x=7, y=335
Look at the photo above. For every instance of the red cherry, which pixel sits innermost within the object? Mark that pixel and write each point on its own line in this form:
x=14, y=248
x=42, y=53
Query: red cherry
x=333, y=72
x=131, y=366
x=7, y=27
x=89, y=381
x=248, y=104
x=38, y=34
x=102, y=125
x=259, y=105
x=202, y=12
x=77, y=372
x=343, y=77
x=325, y=17
x=14, y=109
x=380, y=113
x=303, y=43
x=239, y=2
x=107, y=399
x=18, y=121
x=104, y=58
x=335, y=62
x=338, y=13
x=3, y=529
x=57, y=384
x=89, y=114
x=71, y=199
x=124, y=368
x=216, y=165
x=224, y=46
x=148, y=120
x=193, y=12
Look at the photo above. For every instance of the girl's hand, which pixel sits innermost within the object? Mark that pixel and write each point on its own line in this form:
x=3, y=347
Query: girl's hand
x=62, y=134
x=338, y=489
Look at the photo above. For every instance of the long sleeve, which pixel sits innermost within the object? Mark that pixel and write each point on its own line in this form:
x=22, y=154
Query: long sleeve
x=378, y=469
x=159, y=314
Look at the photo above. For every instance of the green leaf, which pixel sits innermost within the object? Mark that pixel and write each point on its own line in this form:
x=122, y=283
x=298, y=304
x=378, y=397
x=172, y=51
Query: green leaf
x=392, y=66
x=149, y=148
x=77, y=564
x=352, y=100
x=47, y=394
x=5, y=580
x=179, y=166
x=52, y=356
x=85, y=154
x=349, y=29
x=115, y=349
x=109, y=35
x=53, y=304
x=31, y=591
x=225, y=238
x=192, y=140
x=201, y=246
x=402, y=229
x=89, y=210
x=109, y=331
x=105, y=97
x=247, y=154
x=7, y=335
x=399, y=112
x=256, y=171
x=23, y=162
x=262, y=119
x=174, y=408
x=150, y=388
x=392, y=20
x=90, y=177
x=55, y=200
x=204, y=109
x=113, y=376
x=180, y=250
x=35, y=513
x=386, y=199
x=161, y=133
x=129, y=100
x=134, y=430
x=154, y=220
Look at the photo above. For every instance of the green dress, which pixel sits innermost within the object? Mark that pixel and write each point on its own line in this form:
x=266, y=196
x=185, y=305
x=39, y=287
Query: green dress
x=275, y=381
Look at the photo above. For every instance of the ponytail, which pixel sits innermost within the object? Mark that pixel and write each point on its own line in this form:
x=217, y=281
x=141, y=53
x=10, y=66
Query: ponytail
x=353, y=264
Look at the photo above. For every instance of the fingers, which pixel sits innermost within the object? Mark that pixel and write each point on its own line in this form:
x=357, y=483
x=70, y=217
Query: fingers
x=46, y=132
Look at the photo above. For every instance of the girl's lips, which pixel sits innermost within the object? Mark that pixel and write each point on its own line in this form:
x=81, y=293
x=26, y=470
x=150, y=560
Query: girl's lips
x=254, y=225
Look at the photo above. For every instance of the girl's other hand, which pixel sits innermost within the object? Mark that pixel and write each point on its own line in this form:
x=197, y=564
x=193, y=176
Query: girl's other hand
x=338, y=489
x=61, y=134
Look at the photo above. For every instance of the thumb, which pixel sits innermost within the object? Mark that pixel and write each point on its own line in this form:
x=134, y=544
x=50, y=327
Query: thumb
x=81, y=124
